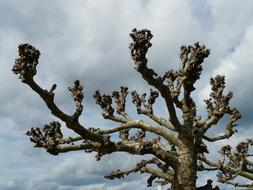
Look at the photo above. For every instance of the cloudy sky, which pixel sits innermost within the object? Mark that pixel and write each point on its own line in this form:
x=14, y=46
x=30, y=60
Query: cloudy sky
x=88, y=40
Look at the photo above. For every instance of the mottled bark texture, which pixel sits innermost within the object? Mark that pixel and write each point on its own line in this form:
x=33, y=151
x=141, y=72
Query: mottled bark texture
x=178, y=146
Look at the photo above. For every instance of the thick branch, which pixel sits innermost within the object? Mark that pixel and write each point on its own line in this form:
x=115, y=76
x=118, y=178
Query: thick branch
x=130, y=146
x=69, y=140
x=146, y=127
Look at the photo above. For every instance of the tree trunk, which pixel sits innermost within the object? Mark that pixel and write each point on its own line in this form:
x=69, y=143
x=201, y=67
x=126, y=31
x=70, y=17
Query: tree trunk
x=186, y=172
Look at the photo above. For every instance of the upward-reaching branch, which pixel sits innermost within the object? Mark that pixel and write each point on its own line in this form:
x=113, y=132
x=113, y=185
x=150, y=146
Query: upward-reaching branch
x=218, y=106
x=25, y=67
x=192, y=58
x=139, y=48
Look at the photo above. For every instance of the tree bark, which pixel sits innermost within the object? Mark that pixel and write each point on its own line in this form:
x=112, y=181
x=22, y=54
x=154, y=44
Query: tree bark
x=186, y=172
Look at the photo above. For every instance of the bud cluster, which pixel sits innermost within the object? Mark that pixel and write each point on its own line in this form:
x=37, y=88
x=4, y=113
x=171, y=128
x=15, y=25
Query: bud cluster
x=120, y=98
x=140, y=101
x=77, y=94
x=105, y=102
x=25, y=64
x=218, y=104
x=48, y=138
x=192, y=58
x=140, y=45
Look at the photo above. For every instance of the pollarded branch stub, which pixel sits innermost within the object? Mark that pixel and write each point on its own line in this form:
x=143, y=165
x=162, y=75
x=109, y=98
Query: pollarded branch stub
x=25, y=64
x=140, y=100
x=225, y=150
x=105, y=102
x=192, y=58
x=235, y=163
x=140, y=45
x=218, y=104
x=152, y=97
x=242, y=149
x=48, y=138
x=120, y=99
x=235, y=115
x=77, y=94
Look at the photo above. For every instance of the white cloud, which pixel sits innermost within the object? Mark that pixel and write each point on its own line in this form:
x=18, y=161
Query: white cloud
x=237, y=67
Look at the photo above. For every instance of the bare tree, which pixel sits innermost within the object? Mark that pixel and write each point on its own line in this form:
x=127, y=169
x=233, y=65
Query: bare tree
x=177, y=163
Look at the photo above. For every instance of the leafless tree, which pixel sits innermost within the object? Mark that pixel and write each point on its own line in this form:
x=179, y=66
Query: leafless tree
x=178, y=147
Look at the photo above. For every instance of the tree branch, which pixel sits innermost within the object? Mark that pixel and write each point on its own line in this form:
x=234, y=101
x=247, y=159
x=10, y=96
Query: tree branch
x=192, y=58
x=159, y=120
x=240, y=185
x=139, y=48
x=69, y=140
x=218, y=105
x=142, y=168
x=131, y=147
x=229, y=130
x=243, y=173
x=52, y=140
x=146, y=127
x=140, y=101
x=25, y=67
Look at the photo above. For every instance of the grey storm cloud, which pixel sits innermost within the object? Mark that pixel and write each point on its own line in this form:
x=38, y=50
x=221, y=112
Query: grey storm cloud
x=88, y=40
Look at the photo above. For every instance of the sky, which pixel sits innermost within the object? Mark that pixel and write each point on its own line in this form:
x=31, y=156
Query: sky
x=88, y=40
